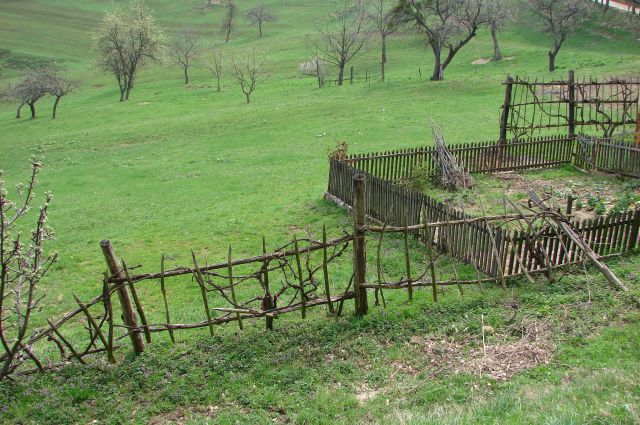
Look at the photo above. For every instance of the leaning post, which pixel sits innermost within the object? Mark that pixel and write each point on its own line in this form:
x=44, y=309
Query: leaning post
x=128, y=315
x=572, y=104
x=359, y=245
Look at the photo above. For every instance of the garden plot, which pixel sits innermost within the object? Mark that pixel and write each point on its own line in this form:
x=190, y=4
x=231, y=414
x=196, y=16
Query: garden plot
x=594, y=194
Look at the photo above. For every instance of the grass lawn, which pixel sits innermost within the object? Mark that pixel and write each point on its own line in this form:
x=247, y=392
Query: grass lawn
x=181, y=168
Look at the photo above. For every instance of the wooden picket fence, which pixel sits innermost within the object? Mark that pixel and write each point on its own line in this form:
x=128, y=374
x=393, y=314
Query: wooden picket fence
x=609, y=155
x=491, y=248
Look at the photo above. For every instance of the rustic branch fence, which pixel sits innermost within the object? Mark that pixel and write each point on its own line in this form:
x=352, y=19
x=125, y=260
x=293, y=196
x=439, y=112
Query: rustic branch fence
x=605, y=104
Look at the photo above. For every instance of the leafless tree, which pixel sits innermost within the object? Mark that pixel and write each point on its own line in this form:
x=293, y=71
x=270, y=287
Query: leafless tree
x=23, y=264
x=248, y=72
x=184, y=50
x=31, y=88
x=214, y=63
x=500, y=13
x=559, y=18
x=228, y=21
x=259, y=15
x=343, y=36
x=57, y=85
x=447, y=24
x=384, y=18
x=126, y=41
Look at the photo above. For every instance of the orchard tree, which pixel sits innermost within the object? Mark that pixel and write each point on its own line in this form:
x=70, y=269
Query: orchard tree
x=184, y=50
x=500, y=13
x=248, y=72
x=127, y=40
x=559, y=18
x=259, y=15
x=447, y=24
x=57, y=85
x=384, y=19
x=214, y=63
x=344, y=35
x=31, y=88
x=228, y=20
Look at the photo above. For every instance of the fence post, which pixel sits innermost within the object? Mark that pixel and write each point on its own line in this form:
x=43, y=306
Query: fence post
x=572, y=104
x=635, y=229
x=359, y=245
x=638, y=125
x=128, y=315
x=504, y=119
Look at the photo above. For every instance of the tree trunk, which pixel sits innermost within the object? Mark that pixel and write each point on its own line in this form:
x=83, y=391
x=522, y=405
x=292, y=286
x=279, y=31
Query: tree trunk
x=226, y=40
x=438, y=71
x=218, y=84
x=383, y=59
x=248, y=100
x=186, y=76
x=260, y=28
x=341, y=74
x=19, y=109
x=497, y=54
x=32, y=106
x=55, y=106
x=552, y=60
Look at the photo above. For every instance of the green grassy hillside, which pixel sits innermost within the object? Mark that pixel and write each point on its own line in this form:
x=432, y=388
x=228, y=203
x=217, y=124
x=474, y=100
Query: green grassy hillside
x=179, y=168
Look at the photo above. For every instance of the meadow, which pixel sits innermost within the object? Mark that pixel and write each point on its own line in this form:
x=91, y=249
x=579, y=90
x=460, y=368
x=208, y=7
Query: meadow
x=180, y=168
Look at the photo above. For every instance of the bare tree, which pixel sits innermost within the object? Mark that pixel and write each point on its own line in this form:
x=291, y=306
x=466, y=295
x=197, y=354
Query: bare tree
x=559, y=18
x=214, y=63
x=31, y=88
x=57, y=85
x=127, y=40
x=248, y=72
x=184, y=50
x=228, y=21
x=447, y=24
x=384, y=18
x=500, y=13
x=23, y=264
x=343, y=36
x=259, y=15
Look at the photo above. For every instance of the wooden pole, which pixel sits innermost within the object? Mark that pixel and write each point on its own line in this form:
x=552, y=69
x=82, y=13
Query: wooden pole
x=233, y=288
x=267, y=302
x=128, y=315
x=359, y=245
x=325, y=269
x=504, y=119
x=572, y=104
x=203, y=291
x=638, y=126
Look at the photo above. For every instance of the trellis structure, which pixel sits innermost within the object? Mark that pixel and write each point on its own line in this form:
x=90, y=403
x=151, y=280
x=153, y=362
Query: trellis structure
x=577, y=105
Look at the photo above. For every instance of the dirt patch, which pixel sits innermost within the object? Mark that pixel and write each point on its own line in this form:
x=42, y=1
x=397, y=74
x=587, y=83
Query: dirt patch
x=364, y=394
x=500, y=359
x=481, y=61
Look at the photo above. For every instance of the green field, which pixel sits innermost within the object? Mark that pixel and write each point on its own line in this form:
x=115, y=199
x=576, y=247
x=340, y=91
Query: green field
x=179, y=168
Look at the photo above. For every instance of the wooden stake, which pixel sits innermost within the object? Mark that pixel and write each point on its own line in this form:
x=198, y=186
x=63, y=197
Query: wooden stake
x=203, y=291
x=109, y=308
x=325, y=268
x=68, y=344
x=407, y=259
x=359, y=245
x=268, y=301
x=233, y=288
x=303, y=295
x=163, y=289
x=129, y=317
x=136, y=301
x=95, y=326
